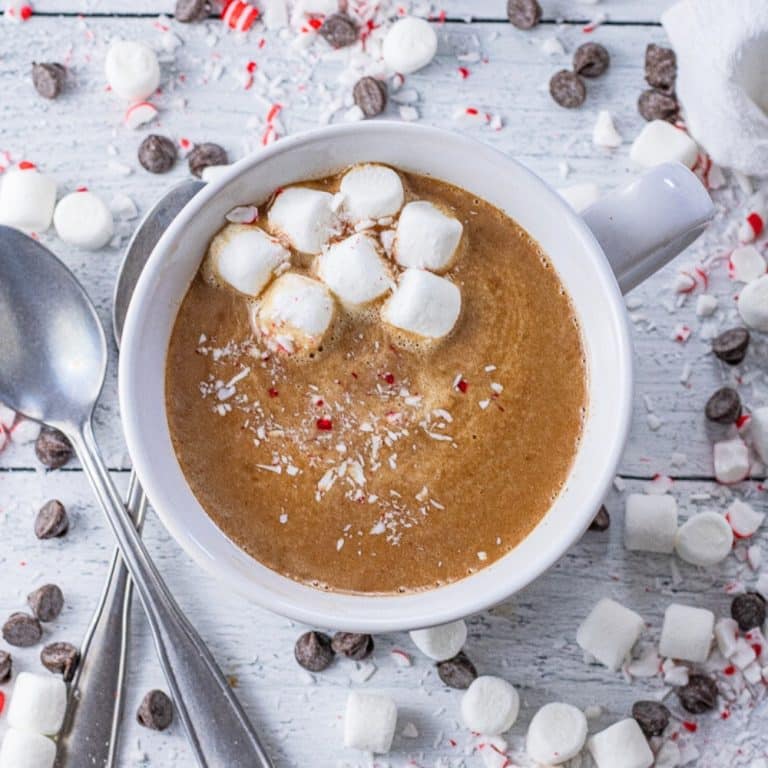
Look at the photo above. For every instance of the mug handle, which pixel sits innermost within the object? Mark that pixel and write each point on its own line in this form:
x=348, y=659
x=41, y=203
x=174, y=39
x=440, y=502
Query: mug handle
x=646, y=223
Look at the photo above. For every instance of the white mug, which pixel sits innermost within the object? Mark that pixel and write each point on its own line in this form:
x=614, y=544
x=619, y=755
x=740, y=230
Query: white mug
x=617, y=243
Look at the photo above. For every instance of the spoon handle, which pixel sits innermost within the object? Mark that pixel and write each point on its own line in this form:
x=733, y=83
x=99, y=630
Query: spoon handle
x=216, y=724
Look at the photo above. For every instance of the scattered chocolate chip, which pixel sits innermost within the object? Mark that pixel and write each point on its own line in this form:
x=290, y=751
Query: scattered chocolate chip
x=370, y=95
x=748, y=611
x=314, y=651
x=352, y=645
x=192, y=10
x=51, y=520
x=651, y=716
x=157, y=154
x=46, y=602
x=48, y=79
x=204, y=155
x=60, y=658
x=602, y=520
x=458, y=672
x=52, y=448
x=339, y=30
x=660, y=67
x=731, y=345
x=567, y=89
x=724, y=406
x=591, y=60
x=524, y=14
x=657, y=105
x=700, y=695
x=22, y=630
x=155, y=711
x=6, y=665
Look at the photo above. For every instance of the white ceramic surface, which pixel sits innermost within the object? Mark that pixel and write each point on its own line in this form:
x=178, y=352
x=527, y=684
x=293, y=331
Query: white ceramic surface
x=580, y=263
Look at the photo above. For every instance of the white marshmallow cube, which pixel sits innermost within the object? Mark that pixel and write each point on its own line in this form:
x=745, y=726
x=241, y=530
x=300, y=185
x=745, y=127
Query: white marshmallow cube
x=686, y=633
x=753, y=304
x=744, y=521
x=490, y=706
x=423, y=304
x=371, y=192
x=731, y=459
x=132, y=69
x=660, y=142
x=726, y=635
x=622, y=745
x=409, y=45
x=604, y=134
x=38, y=703
x=369, y=722
x=426, y=237
x=580, y=196
x=27, y=199
x=706, y=304
x=704, y=539
x=442, y=642
x=758, y=427
x=85, y=220
x=22, y=749
x=609, y=632
x=304, y=216
x=747, y=264
x=557, y=733
x=650, y=523
x=214, y=172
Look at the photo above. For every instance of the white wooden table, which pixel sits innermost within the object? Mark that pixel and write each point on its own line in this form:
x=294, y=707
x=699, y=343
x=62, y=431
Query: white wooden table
x=80, y=140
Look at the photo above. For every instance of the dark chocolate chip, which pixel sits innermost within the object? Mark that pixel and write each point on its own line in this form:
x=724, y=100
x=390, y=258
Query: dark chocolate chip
x=370, y=95
x=51, y=520
x=602, y=520
x=660, y=67
x=52, y=448
x=339, y=30
x=748, y=611
x=60, y=658
x=651, y=716
x=314, y=651
x=155, y=711
x=657, y=105
x=352, y=645
x=700, y=695
x=731, y=345
x=46, y=602
x=724, y=406
x=6, y=666
x=192, y=10
x=204, y=155
x=524, y=14
x=22, y=630
x=458, y=672
x=48, y=79
x=591, y=60
x=157, y=153
x=567, y=89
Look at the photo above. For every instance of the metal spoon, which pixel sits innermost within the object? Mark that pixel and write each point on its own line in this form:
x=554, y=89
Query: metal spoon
x=53, y=358
x=90, y=734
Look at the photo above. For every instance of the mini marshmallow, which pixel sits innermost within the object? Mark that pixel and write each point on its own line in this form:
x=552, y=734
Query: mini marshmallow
x=753, y=304
x=622, y=745
x=744, y=521
x=38, y=703
x=704, y=539
x=214, y=172
x=427, y=238
x=604, y=134
x=132, y=69
x=758, y=429
x=409, y=45
x=726, y=634
x=731, y=460
x=84, y=219
x=371, y=192
x=369, y=722
x=294, y=314
x=355, y=270
x=557, y=733
x=304, y=216
x=746, y=264
x=442, y=642
x=706, y=304
x=423, y=304
x=27, y=199
x=609, y=632
x=660, y=142
x=21, y=749
x=580, y=196
x=686, y=633
x=650, y=523
x=490, y=706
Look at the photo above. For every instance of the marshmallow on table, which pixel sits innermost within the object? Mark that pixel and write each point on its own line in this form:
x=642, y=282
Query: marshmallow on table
x=604, y=134
x=744, y=521
x=490, y=706
x=609, y=632
x=22, y=749
x=747, y=264
x=622, y=745
x=731, y=460
x=84, y=219
x=650, y=523
x=660, y=142
x=410, y=44
x=704, y=539
x=38, y=703
x=27, y=199
x=132, y=69
x=686, y=633
x=304, y=216
x=371, y=192
x=753, y=304
x=427, y=238
x=214, y=172
x=758, y=428
x=442, y=642
x=369, y=722
x=706, y=305
x=580, y=196
x=557, y=733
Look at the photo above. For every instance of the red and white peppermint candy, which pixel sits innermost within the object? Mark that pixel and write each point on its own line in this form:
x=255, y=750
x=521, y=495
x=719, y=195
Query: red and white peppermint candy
x=17, y=10
x=743, y=519
x=239, y=15
x=140, y=114
x=243, y=214
x=752, y=227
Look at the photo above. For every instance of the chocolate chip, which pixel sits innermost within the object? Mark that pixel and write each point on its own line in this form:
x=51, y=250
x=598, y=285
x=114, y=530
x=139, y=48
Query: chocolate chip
x=352, y=645
x=46, y=602
x=339, y=30
x=724, y=406
x=204, y=155
x=657, y=105
x=651, y=716
x=155, y=711
x=60, y=658
x=157, y=153
x=524, y=14
x=314, y=651
x=591, y=60
x=700, y=695
x=567, y=89
x=602, y=520
x=51, y=520
x=370, y=95
x=22, y=630
x=458, y=672
x=192, y=10
x=52, y=448
x=6, y=666
x=748, y=611
x=48, y=79
x=731, y=345
x=660, y=67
